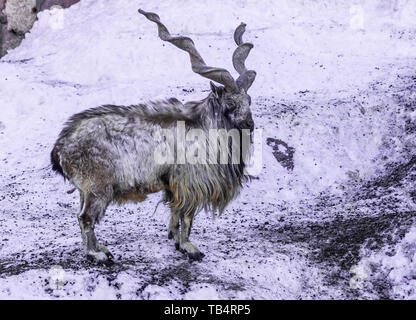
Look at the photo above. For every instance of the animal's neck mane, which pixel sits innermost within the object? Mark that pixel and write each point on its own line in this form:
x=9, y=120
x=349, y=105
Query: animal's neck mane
x=201, y=186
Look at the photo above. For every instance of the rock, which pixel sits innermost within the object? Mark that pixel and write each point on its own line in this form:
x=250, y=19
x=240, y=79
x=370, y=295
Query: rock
x=21, y=15
x=3, y=18
x=47, y=4
x=8, y=40
x=18, y=16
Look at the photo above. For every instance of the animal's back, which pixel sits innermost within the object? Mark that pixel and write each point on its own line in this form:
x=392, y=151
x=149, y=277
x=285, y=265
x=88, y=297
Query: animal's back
x=107, y=146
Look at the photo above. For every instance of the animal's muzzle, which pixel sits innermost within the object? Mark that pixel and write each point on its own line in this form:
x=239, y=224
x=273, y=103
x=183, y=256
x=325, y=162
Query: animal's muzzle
x=249, y=124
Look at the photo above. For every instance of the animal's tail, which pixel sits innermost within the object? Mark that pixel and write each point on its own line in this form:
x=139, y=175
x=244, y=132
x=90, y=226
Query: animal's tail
x=56, y=166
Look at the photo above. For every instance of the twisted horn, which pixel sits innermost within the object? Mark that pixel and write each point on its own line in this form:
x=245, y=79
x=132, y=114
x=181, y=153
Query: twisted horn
x=240, y=55
x=219, y=75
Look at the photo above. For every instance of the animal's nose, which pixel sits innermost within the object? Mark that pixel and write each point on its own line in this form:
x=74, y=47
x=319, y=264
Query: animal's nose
x=250, y=124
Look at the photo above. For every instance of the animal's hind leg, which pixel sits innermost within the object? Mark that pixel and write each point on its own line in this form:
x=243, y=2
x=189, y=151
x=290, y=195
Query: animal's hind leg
x=184, y=243
x=93, y=208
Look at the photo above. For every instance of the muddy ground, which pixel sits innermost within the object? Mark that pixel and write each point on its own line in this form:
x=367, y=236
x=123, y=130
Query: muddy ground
x=260, y=248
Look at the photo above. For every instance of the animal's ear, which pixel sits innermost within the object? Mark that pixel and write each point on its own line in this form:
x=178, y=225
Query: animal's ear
x=215, y=90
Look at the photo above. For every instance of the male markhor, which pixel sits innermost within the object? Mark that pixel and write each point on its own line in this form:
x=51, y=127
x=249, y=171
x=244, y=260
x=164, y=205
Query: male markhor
x=107, y=152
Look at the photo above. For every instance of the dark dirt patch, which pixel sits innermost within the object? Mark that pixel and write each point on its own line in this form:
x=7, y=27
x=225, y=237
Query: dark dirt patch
x=186, y=274
x=284, y=154
x=68, y=259
x=396, y=175
x=336, y=243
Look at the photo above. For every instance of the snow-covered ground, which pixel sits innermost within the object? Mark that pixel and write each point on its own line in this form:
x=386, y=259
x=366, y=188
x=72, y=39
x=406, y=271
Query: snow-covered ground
x=330, y=215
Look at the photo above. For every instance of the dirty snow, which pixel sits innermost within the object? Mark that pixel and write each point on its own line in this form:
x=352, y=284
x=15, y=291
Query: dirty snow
x=331, y=214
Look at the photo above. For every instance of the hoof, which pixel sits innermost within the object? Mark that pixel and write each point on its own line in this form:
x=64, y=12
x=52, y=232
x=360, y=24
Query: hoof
x=107, y=263
x=177, y=246
x=195, y=256
x=101, y=258
x=109, y=256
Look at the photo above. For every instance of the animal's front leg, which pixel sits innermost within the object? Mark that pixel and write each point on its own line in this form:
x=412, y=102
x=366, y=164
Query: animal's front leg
x=173, y=229
x=185, y=245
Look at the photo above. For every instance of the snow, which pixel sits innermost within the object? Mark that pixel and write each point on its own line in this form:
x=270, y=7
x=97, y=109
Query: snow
x=396, y=264
x=335, y=82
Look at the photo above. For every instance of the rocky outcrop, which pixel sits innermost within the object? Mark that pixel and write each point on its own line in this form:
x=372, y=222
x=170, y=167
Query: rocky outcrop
x=18, y=16
x=21, y=15
x=3, y=19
